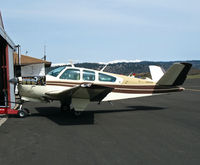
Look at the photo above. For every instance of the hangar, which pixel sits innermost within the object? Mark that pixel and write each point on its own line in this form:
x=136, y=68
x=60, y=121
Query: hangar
x=7, y=47
x=10, y=67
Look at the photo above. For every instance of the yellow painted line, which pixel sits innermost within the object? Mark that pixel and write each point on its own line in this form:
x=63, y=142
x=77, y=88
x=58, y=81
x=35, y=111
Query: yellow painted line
x=194, y=90
x=3, y=120
x=193, y=86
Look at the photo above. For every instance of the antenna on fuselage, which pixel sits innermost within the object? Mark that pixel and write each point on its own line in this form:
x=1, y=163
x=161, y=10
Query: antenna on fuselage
x=71, y=63
x=45, y=54
x=104, y=67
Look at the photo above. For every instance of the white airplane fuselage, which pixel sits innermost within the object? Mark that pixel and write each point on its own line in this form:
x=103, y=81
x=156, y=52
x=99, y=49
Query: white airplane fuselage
x=124, y=87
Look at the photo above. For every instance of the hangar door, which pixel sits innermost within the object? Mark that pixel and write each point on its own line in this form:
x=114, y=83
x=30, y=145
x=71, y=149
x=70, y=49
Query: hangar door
x=3, y=73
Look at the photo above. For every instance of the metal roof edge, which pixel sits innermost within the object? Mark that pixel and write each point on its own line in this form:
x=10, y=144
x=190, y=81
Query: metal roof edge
x=7, y=38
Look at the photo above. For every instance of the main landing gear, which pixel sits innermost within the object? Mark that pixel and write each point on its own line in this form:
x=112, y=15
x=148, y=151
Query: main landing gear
x=76, y=113
x=67, y=108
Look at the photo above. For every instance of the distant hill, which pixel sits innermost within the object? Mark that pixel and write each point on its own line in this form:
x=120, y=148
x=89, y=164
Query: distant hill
x=137, y=67
x=126, y=68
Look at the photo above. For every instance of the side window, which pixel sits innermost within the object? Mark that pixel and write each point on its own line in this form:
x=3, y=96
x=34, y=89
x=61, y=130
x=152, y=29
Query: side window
x=105, y=77
x=88, y=75
x=71, y=74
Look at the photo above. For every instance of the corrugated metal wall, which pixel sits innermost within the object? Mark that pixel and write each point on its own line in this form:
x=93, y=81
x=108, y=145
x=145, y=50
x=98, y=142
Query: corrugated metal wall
x=6, y=67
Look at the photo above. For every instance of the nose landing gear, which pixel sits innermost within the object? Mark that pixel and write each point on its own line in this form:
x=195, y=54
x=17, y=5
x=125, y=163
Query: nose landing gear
x=23, y=112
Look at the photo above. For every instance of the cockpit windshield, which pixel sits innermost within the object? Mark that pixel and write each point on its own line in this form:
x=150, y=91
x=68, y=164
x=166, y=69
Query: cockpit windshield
x=55, y=72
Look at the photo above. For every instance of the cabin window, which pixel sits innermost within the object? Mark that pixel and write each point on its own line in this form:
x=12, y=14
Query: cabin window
x=88, y=75
x=71, y=74
x=56, y=71
x=105, y=77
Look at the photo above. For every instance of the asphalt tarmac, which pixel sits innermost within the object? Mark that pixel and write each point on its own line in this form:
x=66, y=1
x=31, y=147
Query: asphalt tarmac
x=159, y=130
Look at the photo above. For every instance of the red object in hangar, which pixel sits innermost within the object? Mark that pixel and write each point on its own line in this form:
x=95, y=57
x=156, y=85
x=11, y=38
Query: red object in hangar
x=7, y=95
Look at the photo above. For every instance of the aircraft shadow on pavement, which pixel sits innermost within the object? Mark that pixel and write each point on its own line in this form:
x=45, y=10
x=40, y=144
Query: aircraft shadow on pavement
x=131, y=108
x=87, y=117
x=64, y=118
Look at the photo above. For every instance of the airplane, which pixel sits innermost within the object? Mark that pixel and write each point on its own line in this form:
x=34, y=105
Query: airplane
x=76, y=87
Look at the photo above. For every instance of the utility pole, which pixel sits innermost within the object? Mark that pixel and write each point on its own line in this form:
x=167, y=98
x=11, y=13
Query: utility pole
x=18, y=53
x=45, y=53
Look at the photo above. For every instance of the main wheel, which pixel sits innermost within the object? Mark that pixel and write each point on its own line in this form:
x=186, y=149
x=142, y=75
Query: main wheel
x=65, y=108
x=77, y=113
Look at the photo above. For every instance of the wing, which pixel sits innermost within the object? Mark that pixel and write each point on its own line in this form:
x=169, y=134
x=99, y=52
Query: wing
x=81, y=95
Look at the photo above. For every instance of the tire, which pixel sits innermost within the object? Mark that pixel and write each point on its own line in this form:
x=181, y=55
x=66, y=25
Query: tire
x=77, y=113
x=65, y=108
x=22, y=114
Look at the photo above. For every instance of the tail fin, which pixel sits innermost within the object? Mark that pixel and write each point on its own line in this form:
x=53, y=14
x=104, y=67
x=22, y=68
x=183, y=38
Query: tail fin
x=176, y=74
x=156, y=72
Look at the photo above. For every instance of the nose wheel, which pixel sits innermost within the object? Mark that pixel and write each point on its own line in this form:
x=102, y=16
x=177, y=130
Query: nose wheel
x=23, y=112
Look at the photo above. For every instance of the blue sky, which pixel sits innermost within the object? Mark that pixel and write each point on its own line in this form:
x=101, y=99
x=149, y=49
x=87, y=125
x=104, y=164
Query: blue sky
x=105, y=30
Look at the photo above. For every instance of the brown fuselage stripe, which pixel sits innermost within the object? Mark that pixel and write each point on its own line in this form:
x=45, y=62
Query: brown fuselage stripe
x=64, y=85
x=134, y=89
x=111, y=86
x=76, y=83
x=144, y=92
